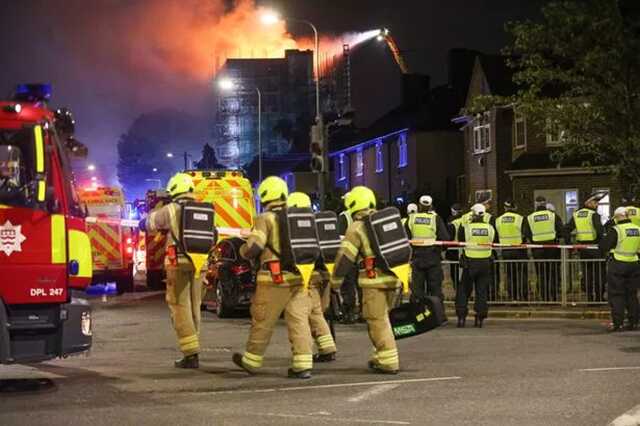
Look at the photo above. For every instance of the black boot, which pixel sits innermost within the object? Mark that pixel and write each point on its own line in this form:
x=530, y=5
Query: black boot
x=324, y=357
x=615, y=328
x=461, y=322
x=304, y=374
x=237, y=360
x=190, y=361
x=376, y=368
x=478, y=322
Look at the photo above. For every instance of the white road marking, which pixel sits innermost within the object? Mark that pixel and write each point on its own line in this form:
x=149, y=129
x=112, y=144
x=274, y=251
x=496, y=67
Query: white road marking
x=335, y=419
x=336, y=385
x=376, y=390
x=630, y=418
x=609, y=369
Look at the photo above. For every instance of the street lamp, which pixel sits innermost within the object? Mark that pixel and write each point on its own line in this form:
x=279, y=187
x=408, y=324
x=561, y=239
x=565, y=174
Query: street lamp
x=270, y=18
x=186, y=161
x=227, y=85
x=155, y=169
x=169, y=154
x=91, y=167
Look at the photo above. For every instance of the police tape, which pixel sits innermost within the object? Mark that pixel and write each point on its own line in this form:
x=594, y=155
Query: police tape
x=131, y=223
x=429, y=243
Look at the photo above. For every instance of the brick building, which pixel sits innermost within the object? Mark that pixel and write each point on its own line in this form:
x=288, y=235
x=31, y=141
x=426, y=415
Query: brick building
x=505, y=157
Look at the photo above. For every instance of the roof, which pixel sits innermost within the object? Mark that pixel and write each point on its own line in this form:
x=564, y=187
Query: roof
x=499, y=75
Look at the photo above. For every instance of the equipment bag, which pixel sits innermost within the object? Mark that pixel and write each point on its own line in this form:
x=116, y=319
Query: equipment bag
x=388, y=238
x=197, y=229
x=303, y=235
x=412, y=319
x=328, y=236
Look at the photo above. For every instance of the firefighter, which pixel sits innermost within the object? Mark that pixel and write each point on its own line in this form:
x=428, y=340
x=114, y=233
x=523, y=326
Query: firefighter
x=629, y=202
x=350, y=292
x=277, y=289
x=426, y=266
x=453, y=253
x=544, y=227
x=379, y=287
x=319, y=290
x=622, y=241
x=477, y=264
x=587, y=225
x=411, y=209
x=184, y=291
x=509, y=229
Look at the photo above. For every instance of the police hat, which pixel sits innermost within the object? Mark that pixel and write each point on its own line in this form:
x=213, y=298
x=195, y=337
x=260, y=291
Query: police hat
x=509, y=205
x=540, y=199
x=456, y=208
x=596, y=197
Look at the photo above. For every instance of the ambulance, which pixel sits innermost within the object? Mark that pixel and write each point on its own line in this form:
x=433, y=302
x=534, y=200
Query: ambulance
x=112, y=244
x=45, y=253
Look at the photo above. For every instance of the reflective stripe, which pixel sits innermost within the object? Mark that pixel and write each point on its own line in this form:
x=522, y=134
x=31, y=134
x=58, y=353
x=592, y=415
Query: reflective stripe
x=58, y=239
x=386, y=219
x=252, y=360
x=509, y=228
x=423, y=230
x=189, y=344
x=388, y=358
x=325, y=342
x=37, y=130
x=352, y=249
x=628, y=243
x=583, y=219
x=80, y=251
x=302, y=362
x=478, y=252
x=543, y=229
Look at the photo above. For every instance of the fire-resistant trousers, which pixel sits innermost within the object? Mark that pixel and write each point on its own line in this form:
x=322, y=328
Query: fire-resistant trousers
x=376, y=305
x=622, y=278
x=184, y=296
x=477, y=274
x=320, y=330
x=268, y=304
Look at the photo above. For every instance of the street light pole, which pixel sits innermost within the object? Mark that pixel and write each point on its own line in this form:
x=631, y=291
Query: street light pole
x=259, y=133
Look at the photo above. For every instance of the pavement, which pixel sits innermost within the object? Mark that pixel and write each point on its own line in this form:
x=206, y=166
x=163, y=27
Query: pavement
x=511, y=372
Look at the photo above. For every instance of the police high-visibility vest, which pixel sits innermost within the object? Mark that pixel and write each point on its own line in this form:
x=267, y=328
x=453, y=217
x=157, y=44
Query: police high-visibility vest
x=423, y=226
x=585, y=231
x=478, y=233
x=456, y=227
x=628, y=243
x=466, y=218
x=509, y=227
x=634, y=215
x=543, y=225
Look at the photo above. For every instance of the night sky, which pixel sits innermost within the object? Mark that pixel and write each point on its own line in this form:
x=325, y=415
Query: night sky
x=111, y=60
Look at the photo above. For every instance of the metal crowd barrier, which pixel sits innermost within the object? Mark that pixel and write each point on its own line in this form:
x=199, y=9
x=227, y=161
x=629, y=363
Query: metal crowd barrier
x=564, y=276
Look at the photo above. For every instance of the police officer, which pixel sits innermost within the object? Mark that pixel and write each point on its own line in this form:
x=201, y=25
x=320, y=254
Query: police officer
x=623, y=276
x=379, y=287
x=349, y=291
x=486, y=217
x=411, y=209
x=426, y=266
x=477, y=263
x=544, y=227
x=320, y=330
x=587, y=225
x=184, y=291
x=454, y=222
x=629, y=202
x=277, y=290
x=509, y=229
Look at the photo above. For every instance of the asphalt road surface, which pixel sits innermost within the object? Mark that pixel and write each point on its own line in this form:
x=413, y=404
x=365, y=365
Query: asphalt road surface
x=512, y=372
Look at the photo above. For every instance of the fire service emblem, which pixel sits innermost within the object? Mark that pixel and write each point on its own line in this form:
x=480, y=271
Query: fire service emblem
x=11, y=238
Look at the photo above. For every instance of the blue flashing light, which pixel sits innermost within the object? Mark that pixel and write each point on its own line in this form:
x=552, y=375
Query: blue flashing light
x=400, y=200
x=74, y=267
x=33, y=93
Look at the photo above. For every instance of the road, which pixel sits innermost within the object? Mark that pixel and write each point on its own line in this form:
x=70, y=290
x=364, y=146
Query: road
x=524, y=372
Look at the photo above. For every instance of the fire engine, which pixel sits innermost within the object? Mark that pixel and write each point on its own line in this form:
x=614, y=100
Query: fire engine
x=45, y=253
x=111, y=243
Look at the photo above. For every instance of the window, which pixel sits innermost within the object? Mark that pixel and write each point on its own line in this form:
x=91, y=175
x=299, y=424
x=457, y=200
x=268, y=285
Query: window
x=403, y=160
x=359, y=163
x=379, y=158
x=482, y=134
x=519, y=131
x=483, y=195
x=554, y=135
x=571, y=202
x=604, y=206
x=341, y=168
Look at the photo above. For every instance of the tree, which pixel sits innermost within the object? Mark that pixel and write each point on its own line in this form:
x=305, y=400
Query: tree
x=579, y=73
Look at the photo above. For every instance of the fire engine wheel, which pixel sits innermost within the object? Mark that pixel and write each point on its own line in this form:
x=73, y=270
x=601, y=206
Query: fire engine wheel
x=223, y=308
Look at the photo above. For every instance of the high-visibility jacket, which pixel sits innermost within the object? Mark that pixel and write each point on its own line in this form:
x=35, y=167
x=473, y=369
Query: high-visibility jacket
x=423, y=226
x=585, y=231
x=456, y=227
x=478, y=233
x=634, y=214
x=466, y=218
x=543, y=225
x=628, y=242
x=509, y=227
x=167, y=219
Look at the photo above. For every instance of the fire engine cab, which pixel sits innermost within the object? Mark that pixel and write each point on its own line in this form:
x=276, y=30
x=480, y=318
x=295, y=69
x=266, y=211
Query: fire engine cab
x=45, y=252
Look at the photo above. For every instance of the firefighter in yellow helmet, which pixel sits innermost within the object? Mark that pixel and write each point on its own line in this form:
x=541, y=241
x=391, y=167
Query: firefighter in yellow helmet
x=378, y=286
x=320, y=330
x=184, y=292
x=277, y=289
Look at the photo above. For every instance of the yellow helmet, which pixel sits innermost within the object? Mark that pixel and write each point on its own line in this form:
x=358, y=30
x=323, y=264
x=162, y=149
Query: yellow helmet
x=180, y=183
x=272, y=189
x=299, y=199
x=359, y=198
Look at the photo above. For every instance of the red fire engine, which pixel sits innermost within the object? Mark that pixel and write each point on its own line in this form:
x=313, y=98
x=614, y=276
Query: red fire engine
x=45, y=253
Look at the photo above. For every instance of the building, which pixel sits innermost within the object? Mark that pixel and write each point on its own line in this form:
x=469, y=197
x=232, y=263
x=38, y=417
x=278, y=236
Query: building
x=286, y=87
x=506, y=157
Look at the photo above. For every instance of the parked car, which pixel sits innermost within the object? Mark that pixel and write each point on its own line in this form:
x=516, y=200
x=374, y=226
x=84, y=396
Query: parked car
x=230, y=279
